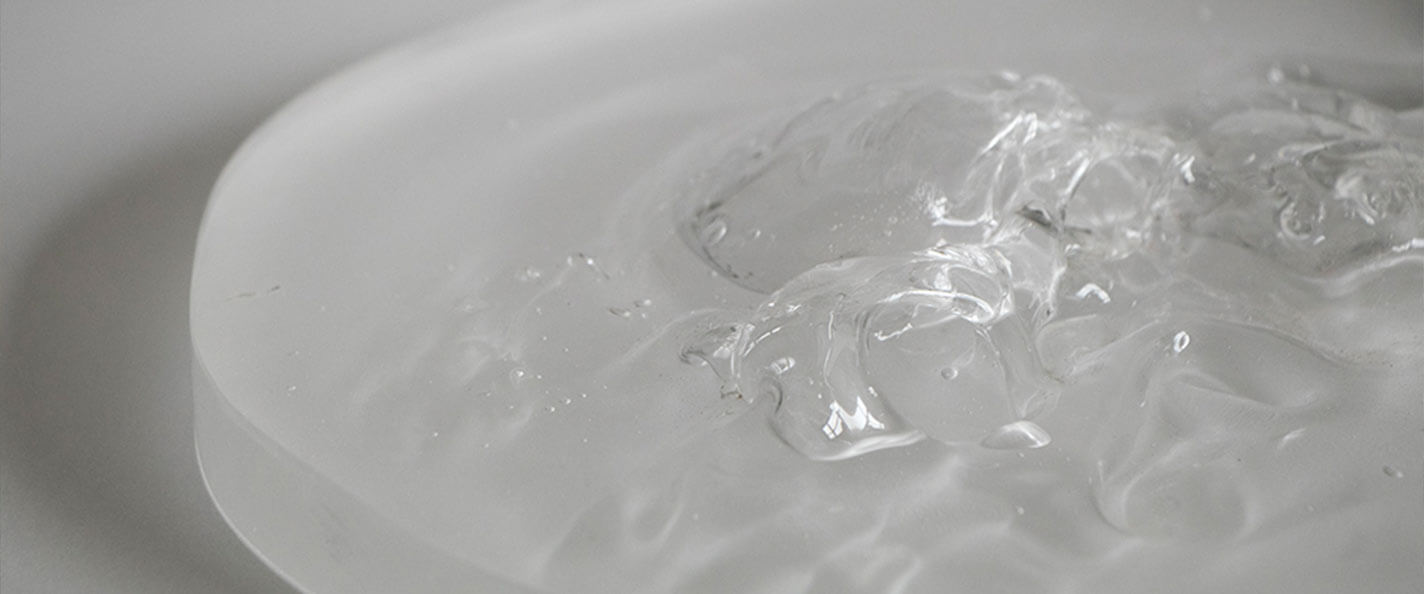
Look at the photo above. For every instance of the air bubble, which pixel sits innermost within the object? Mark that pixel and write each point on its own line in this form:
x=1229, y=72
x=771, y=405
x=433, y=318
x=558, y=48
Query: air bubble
x=1301, y=220
x=1180, y=341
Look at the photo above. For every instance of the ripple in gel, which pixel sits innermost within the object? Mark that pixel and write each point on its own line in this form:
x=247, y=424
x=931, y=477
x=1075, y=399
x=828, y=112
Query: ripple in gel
x=871, y=337
x=870, y=171
x=1317, y=179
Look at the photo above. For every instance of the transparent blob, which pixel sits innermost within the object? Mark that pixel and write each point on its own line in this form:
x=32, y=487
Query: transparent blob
x=1319, y=180
x=1098, y=186
x=1183, y=453
x=870, y=353
x=1109, y=295
x=870, y=171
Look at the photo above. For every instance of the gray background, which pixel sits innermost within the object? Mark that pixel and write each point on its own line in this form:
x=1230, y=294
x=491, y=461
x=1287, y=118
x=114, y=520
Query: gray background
x=115, y=119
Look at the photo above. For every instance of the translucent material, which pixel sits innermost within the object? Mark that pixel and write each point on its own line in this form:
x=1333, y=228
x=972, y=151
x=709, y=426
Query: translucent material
x=775, y=298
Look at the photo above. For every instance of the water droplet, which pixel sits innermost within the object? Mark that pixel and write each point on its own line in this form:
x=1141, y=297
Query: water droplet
x=782, y=365
x=1180, y=341
x=949, y=373
x=1018, y=435
x=516, y=375
x=530, y=274
x=1276, y=75
x=551, y=409
x=1393, y=472
x=643, y=303
x=620, y=312
x=568, y=401
x=713, y=232
x=291, y=389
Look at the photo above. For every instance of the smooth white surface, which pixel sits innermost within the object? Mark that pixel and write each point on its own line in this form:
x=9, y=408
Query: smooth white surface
x=115, y=118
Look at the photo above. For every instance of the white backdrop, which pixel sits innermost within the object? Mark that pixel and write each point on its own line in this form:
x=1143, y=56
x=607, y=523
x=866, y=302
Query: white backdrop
x=115, y=118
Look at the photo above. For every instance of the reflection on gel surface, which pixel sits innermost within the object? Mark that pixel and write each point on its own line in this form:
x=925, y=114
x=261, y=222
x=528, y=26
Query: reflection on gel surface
x=844, y=346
